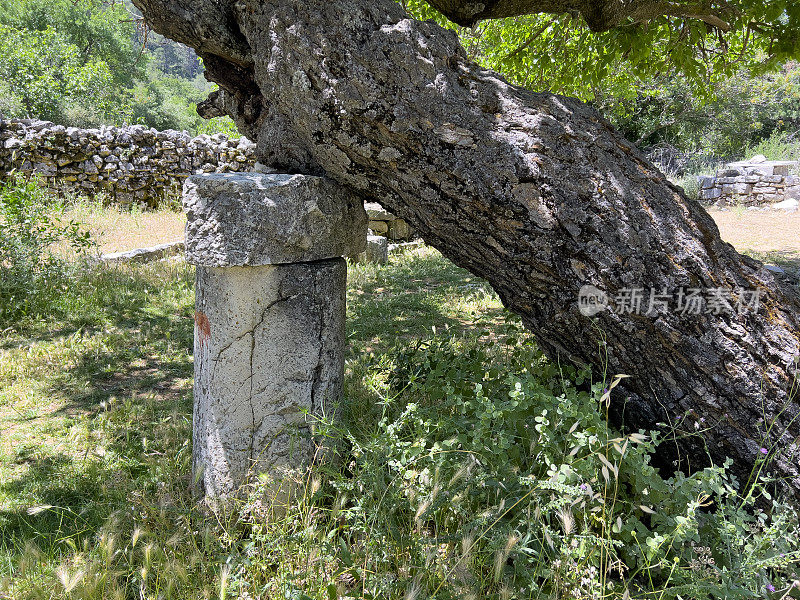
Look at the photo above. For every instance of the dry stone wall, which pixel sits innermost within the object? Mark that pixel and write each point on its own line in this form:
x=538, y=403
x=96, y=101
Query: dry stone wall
x=131, y=165
x=135, y=165
x=752, y=183
x=383, y=223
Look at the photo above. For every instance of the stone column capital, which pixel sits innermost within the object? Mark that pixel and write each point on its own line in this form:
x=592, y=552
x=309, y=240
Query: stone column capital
x=252, y=219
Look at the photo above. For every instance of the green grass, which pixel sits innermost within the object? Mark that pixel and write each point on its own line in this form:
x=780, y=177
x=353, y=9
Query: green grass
x=95, y=403
x=470, y=466
x=88, y=401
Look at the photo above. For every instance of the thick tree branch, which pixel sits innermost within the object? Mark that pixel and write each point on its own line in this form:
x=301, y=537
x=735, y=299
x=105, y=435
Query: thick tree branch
x=600, y=15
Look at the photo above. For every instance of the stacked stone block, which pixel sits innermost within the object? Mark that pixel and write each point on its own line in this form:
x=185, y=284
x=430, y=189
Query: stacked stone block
x=270, y=319
x=752, y=183
x=383, y=223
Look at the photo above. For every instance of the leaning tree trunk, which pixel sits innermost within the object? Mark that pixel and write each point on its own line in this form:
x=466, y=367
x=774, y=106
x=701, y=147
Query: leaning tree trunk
x=536, y=193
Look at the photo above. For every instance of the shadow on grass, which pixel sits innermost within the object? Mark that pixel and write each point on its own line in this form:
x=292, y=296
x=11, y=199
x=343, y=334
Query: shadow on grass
x=138, y=332
x=787, y=260
x=418, y=295
x=411, y=296
x=122, y=366
x=118, y=342
x=67, y=503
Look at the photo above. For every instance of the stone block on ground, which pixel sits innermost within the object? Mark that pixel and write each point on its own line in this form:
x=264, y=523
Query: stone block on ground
x=788, y=205
x=376, y=212
x=379, y=227
x=377, y=250
x=742, y=189
x=710, y=193
x=705, y=181
x=143, y=255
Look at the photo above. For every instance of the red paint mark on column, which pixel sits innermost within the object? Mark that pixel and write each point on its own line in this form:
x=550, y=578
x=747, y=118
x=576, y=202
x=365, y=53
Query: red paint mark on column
x=203, y=326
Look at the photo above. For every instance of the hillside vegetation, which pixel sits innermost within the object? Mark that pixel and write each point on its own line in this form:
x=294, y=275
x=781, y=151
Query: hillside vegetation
x=90, y=62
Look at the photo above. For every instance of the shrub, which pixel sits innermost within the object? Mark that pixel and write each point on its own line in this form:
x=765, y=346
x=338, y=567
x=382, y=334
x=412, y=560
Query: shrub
x=734, y=112
x=31, y=273
x=779, y=146
x=493, y=473
x=44, y=74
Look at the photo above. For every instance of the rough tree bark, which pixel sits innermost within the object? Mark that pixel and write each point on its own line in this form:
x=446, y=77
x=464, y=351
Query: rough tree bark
x=534, y=192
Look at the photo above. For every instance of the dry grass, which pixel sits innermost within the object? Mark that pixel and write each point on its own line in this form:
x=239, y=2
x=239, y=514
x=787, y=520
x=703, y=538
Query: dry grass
x=760, y=231
x=118, y=229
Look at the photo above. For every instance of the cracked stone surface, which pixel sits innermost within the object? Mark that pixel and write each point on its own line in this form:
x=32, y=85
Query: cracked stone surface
x=264, y=219
x=269, y=358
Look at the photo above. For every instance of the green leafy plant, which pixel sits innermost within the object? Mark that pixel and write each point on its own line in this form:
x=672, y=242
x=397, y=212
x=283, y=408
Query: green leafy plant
x=45, y=74
x=494, y=473
x=779, y=146
x=31, y=272
x=733, y=113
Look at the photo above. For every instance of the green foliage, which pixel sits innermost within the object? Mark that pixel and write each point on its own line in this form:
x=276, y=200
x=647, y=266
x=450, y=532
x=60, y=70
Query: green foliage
x=165, y=103
x=668, y=80
x=100, y=31
x=493, y=473
x=171, y=58
x=31, y=273
x=43, y=73
x=779, y=146
x=560, y=53
x=224, y=125
x=738, y=112
x=82, y=63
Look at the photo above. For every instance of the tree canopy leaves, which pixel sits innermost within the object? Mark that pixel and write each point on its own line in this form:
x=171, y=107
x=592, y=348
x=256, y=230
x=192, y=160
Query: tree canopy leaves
x=559, y=52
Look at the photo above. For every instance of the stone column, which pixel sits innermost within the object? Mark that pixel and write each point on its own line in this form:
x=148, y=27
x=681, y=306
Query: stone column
x=270, y=318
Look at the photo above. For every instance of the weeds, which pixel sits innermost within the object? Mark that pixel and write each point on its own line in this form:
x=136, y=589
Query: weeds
x=466, y=465
x=490, y=474
x=31, y=274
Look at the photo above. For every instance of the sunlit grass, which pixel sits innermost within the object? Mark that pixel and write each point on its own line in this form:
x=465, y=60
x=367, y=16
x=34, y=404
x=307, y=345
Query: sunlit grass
x=95, y=413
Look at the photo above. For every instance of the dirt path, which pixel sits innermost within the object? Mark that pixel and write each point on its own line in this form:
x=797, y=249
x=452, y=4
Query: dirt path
x=760, y=231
